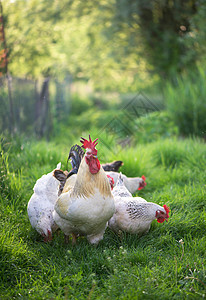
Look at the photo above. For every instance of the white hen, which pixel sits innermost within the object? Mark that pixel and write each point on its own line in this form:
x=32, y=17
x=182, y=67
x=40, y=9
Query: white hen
x=134, y=214
x=132, y=183
x=41, y=205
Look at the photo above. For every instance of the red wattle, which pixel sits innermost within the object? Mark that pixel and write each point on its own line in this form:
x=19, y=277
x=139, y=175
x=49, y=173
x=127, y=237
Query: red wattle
x=94, y=165
x=160, y=220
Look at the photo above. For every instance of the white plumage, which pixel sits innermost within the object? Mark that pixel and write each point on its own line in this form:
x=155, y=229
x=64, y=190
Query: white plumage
x=131, y=183
x=41, y=205
x=69, y=183
x=88, y=205
x=80, y=212
x=134, y=214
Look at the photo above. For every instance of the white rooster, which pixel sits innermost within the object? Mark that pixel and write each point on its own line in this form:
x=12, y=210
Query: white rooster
x=41, y=205
x=133, y=184
x=87, y=206
x=134, y=214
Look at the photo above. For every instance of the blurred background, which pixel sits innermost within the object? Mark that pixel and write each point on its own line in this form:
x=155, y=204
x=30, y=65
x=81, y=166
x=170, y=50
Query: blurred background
x=124, y=67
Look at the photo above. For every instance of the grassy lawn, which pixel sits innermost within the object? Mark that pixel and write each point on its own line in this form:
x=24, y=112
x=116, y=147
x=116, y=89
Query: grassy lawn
x=167, y=263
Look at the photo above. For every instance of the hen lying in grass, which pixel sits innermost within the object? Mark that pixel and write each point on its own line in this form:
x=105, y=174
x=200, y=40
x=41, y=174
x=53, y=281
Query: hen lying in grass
x=41, y=205
x=134, y=214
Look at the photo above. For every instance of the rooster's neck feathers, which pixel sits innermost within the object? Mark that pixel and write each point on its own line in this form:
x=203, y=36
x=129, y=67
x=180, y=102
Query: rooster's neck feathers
x=86, y=183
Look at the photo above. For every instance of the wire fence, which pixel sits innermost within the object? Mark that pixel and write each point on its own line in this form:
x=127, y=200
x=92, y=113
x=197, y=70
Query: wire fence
x=38, y=108
x=28, y=106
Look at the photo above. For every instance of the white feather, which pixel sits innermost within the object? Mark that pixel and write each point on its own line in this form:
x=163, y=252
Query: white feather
x=132, y=214
x=78, y=214
x=131, y=183
x=41, y=203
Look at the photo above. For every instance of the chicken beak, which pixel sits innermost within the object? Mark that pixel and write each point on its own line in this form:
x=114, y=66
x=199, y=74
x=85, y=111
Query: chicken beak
x=95, y=156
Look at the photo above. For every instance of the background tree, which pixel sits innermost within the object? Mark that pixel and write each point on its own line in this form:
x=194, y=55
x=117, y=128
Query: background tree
x=122, y=46
x=99, y=40
x=161, y=28
x=4, y=68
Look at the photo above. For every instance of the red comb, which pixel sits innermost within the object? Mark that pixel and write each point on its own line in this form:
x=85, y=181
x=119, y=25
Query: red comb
x=88, y=144
x=143, y=177
x=167, y=210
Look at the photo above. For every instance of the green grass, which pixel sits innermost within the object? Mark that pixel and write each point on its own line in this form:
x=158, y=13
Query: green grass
x=167, y=263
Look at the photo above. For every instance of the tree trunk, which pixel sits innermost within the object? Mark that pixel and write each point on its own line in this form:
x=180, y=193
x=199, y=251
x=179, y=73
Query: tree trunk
x=5, y=62
x=43, y=124
x=37, y=108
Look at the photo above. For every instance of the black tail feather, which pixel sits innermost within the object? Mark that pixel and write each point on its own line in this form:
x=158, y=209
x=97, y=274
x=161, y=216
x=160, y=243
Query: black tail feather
x=75, y=156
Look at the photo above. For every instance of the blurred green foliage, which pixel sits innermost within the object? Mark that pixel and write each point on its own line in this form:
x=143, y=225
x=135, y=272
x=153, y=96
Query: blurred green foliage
x=185, y=102
x=158, y=31
x=116, y=45
x=155, y=126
